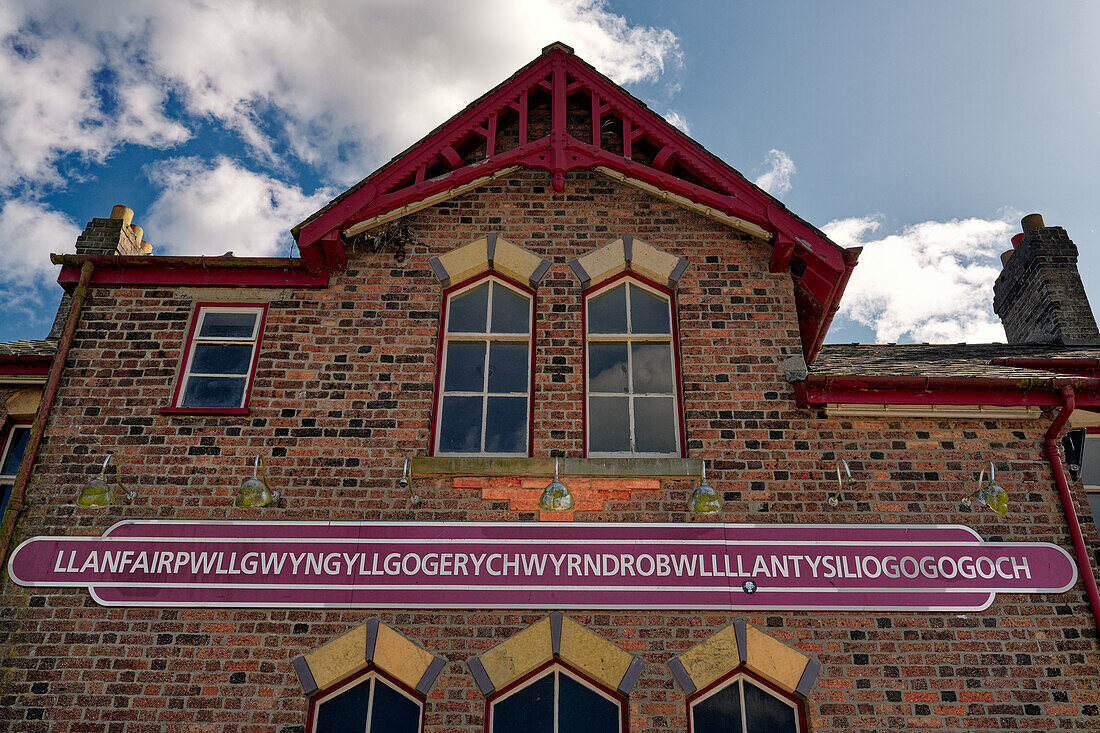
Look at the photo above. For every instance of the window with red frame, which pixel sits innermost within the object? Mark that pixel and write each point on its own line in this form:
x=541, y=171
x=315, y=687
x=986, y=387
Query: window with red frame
x=556, y=701
x=367, y=704
x=15, y=444
x=220, y=358
x=741, y=705
x=631, y=375
x=484, y=392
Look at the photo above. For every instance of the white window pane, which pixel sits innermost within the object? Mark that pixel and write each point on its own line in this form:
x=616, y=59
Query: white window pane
x=218, y=358
x=17, y=445
x=652, y=364
x=222, y=324
x=583, y=710
x=1090, y=462
x=607, y=368
x=465, y=366
x=609, y=424
x=5, y=495
x=718, y=713
x=506, y=425
x=468, y=312
x=1094, y=507
x=214, y=392
x=510, y=311
x=648, y=313
x=655, y=424
x=764, y=713
x=607, y=312
x=508, y=367
x=460, y=425
x=527, y=710
x=345, y=712
x=392, y=712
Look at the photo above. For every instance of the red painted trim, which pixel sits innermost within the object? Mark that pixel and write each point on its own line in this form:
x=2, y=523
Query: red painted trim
x=678, y=369
x=831, y=305
x=175, y=408
x=437, y=401
x=818, y=289
x=1077, y=366
x=743, y=671
x=995, y=391
x=437, y=395
x=198, y=276
x=584, y=374
x=16, y=369
x=531, y=373
x=621, y=699
x=349, y=682
x=1079, y=548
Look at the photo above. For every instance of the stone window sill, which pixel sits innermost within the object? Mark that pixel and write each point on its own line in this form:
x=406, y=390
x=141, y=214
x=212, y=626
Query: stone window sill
x=543, y=466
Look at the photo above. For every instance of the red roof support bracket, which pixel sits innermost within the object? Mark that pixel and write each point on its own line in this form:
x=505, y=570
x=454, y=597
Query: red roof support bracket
x=559, y=114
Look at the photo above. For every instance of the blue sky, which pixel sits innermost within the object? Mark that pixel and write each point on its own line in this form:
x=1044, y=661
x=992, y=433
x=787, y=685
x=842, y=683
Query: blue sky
x=921, y=130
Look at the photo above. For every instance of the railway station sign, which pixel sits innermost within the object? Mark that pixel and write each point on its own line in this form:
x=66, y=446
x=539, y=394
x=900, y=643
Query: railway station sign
x=543, y=566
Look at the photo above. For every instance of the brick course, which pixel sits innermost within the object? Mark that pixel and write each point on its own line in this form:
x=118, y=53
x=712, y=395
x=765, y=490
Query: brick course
x=344, y=392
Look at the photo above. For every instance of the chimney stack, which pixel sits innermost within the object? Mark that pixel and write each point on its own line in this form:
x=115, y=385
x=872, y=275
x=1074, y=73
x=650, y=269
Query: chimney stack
x=1039, y=294
x=117, y=235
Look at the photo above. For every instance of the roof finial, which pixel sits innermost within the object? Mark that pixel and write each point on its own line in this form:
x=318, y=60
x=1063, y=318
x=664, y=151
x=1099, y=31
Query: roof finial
x=558, y=45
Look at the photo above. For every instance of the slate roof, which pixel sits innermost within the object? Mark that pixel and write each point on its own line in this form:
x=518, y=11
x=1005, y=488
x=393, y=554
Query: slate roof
x=33, y=347
x=939, y=360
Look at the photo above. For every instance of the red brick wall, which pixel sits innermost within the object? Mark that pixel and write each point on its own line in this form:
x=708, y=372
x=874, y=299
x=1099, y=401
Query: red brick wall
x=344, y=392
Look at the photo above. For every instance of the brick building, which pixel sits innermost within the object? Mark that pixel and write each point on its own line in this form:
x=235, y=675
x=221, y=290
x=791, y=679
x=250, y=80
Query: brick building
x=485, y=396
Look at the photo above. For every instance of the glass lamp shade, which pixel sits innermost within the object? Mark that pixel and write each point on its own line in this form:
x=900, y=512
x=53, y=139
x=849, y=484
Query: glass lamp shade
x=99, y=492
x=704, y=500
x=556, y=497
x=255, y=493
x=989, y=494
x=992, y=496
x=96, y=493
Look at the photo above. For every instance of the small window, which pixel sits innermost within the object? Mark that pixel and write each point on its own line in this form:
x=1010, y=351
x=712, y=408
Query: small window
x=485, y=371
x=557, y=701
x=741, y=705
x=220, y=359
x=631, y=373
x=14, y=447
x=366, y=704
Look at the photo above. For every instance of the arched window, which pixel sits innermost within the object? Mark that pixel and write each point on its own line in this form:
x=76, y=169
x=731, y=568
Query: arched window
x=367, y=703
x=556, y=700
x=741, y=704
x=484, y=391
x=632, y=374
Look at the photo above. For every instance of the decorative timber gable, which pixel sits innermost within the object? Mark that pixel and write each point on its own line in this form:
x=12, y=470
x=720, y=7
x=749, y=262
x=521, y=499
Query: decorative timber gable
x=559, y=114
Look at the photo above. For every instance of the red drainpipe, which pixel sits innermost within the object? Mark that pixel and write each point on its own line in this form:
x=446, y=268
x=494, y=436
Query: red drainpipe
x=1083, y=562
x=16, y=505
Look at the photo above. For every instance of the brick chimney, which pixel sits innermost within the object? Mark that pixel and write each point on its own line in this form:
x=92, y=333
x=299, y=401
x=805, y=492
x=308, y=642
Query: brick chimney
x=117, y=235
x=1039, y=295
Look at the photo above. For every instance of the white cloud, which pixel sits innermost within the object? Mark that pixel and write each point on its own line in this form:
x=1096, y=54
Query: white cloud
x=27, y=278
x=677, y=120
x=50, y=104
x=210, y=209
x=336, y=83
x=777, y=179
x=932, y=282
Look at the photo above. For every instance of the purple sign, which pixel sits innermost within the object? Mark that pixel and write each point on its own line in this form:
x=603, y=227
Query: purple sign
x=544, y=565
